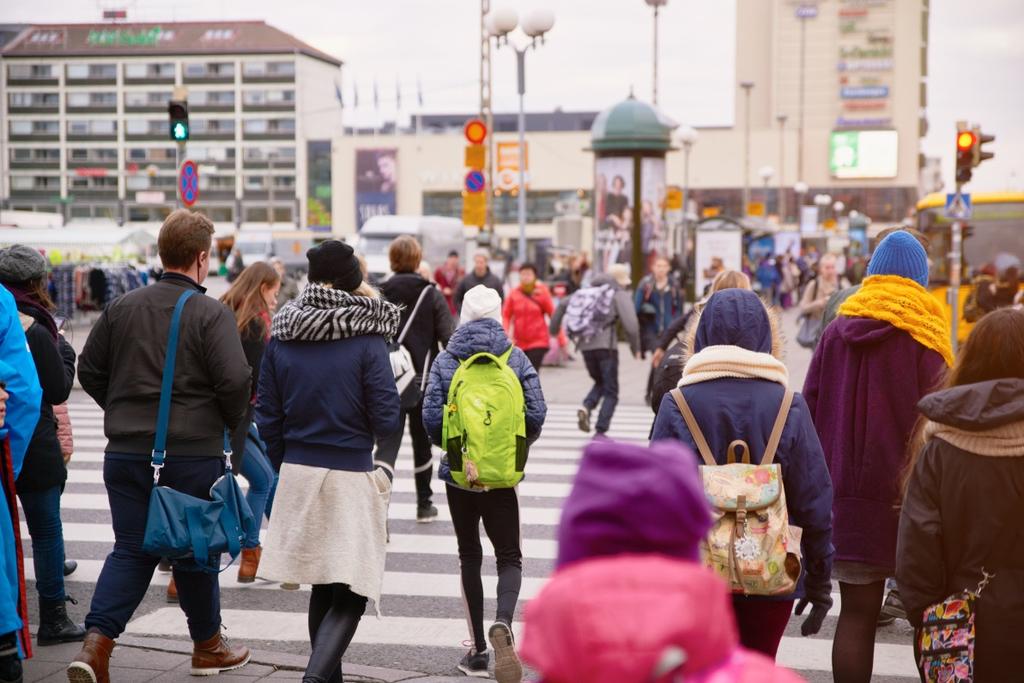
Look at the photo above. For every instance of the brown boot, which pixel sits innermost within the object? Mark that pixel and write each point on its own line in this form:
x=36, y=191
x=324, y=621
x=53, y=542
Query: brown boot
x=249, y=564
x=214, y=656
x=92, y=664
x=172, y=591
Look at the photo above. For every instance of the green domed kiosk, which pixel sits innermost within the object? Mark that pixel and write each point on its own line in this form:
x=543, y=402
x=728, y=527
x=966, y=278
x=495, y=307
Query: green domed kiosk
x=629, y=141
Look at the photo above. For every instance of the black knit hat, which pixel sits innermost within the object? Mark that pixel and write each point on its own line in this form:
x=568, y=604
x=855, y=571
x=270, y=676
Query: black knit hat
x=335, y=263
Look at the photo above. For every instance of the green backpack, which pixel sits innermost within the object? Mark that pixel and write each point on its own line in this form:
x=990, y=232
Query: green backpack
x=485, y=422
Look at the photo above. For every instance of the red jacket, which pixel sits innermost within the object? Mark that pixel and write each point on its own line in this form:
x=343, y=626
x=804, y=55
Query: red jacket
x=525, y=317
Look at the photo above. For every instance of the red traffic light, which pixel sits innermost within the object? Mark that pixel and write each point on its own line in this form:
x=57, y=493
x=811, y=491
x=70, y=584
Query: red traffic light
x=965, y=140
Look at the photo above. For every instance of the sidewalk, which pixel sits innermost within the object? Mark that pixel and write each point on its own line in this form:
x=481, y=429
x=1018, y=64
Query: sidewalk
x=156, y=659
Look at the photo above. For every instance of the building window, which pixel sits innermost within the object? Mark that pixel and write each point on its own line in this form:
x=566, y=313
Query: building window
x=35, y=127
x=31, y=71
x=209, y=69
x=259, y=69
x=258, y=214
x=35, y=182
x=212, y=98
x=264, y=97
x=284, y=154
x=92, y=99
x=92, y=127
x=211, y=153
x=80, y=72
x=101, y=183
x=145, y=155
x=33, y=99
x=140, y=70
x=217, y=183
x=219, y=214
x=146, y=98
x=77, y=154
x=219, y=34
x=213, y=126
x=39, y=154
x=268, y=126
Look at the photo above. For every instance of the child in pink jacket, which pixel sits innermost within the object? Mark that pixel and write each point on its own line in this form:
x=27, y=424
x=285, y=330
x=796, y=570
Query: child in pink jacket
x=629, y=601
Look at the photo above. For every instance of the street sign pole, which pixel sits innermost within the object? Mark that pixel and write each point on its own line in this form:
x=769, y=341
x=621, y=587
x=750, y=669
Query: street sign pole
x=179, y=159
x=954, y=278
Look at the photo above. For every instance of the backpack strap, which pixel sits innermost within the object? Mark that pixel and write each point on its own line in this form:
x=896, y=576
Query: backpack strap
x=780, y=424
x=504, y=358
x=695, y=432
x=412, y=316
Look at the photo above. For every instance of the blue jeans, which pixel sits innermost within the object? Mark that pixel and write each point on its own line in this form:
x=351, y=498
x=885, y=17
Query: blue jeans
x=262, y=478
x=128, y=569
x=603, y=367
x=42, y=515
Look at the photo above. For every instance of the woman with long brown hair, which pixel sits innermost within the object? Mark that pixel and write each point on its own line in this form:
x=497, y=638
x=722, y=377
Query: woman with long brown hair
x=965, y=493
x=253, y=298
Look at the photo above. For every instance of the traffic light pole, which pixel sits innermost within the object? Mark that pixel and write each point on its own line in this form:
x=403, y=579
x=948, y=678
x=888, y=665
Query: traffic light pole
x=179, y=159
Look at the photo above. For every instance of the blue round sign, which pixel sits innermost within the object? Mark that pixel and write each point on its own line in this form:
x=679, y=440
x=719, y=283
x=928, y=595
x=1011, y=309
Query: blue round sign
x=188, y=183
x=475, y=181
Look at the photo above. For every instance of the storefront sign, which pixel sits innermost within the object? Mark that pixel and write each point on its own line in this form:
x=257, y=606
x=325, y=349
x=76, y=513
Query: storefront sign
x=145, y=37
x=864, y=92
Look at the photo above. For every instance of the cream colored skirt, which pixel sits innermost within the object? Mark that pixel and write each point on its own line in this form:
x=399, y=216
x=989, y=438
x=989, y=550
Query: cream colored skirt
x=328, y=526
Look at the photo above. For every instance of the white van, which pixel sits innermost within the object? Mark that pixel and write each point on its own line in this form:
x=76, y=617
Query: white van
x=288, y=245
x=438, y=235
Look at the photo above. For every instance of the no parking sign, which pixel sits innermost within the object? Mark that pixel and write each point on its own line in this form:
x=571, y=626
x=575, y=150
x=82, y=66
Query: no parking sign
x=188, y=183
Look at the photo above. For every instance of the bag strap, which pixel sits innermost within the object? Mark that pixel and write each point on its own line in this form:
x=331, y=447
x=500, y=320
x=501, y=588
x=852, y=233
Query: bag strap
x=163, y=414
x=408, y=323
x=695, y=432
x=780, y=424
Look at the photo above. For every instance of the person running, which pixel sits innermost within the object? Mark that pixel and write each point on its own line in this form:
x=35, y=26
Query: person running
x=472, y=501
x=629, y=600
x=963, y=494
x=886, y=350
x=41, y=481
x=526, y=313
x=448, y=276
x=253, y=298
x=430, y=325
x=600, y=344
x=480, y=275
x=20, y=401
x=658, y=302
x=329, y=346
x=734, y=383
x=121, y=368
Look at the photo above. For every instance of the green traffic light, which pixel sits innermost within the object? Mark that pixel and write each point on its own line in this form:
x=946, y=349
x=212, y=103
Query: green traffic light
x=179, y=131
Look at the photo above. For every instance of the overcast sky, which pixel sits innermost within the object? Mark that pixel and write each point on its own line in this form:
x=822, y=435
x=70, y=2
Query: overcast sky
x=598, y=50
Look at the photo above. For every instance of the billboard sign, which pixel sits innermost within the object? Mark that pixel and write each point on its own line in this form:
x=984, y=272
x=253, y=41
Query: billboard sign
x=376, y=183
x=508, y=166
x=318, y=191
x=864, y=154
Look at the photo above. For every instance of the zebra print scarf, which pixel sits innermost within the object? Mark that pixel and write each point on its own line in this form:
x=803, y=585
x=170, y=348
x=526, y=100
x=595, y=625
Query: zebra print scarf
x=324, y=314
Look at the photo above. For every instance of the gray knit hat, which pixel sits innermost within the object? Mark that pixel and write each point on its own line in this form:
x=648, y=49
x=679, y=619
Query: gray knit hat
x=20, y=263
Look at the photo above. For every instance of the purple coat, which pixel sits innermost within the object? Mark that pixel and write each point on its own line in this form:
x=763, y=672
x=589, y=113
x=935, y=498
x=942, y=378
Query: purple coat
x=862, y=389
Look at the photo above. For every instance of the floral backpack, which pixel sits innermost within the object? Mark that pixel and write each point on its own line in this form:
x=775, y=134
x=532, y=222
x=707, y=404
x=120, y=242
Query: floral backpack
x=751, y=544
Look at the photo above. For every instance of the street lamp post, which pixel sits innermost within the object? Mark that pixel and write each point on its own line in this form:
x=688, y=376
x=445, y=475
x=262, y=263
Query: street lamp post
x=500, y=23
x=781, y=118
x=687, y=138
x=747, y=87
x=766, y=173
x=656, y=4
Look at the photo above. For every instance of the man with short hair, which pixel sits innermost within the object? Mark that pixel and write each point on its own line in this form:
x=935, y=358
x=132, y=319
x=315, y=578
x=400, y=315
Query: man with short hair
x=480, y=275
x=121, y=368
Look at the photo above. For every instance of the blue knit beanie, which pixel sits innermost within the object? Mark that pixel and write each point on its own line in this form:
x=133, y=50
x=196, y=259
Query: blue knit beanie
x=900, y=254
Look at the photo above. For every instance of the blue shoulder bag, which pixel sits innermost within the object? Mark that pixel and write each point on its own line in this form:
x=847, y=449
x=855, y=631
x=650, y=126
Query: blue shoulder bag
x=178, y=525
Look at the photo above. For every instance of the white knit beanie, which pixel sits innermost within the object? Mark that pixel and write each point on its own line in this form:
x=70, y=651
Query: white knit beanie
x=481, y=302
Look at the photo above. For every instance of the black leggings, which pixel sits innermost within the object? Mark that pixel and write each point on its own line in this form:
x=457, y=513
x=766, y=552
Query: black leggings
x=853, y=648
x=334, y=613
x=499, y=510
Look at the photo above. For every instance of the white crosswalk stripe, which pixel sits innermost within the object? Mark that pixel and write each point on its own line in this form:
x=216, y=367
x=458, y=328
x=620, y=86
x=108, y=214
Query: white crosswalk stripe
x=422, y=559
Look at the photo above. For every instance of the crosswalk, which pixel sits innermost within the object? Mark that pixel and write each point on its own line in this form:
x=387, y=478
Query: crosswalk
x=423, y=613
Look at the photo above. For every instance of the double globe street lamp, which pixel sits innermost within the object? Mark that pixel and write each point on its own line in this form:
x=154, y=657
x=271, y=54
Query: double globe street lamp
x=500, y=23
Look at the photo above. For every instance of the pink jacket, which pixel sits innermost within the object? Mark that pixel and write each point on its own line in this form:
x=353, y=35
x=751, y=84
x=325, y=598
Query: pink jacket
x=616, y=619
x=64, y=434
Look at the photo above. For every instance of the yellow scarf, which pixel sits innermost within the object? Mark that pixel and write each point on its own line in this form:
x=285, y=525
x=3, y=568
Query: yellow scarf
x=905, y=305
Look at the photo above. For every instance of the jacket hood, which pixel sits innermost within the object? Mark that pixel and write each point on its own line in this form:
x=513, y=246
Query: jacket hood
x=634, y=499
x=736, y=317
x=603, y=279
x=864, y=331
x=977, y=407
x=477, y=336
x=611, y=620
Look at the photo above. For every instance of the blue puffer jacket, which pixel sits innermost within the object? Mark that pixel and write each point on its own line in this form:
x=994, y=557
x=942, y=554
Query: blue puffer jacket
x=733, y=408
x=478, y=336
x=323, y=403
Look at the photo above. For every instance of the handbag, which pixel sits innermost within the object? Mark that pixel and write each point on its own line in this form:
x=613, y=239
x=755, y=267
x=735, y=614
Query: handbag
x=178, y=525
x=810, y=328
x=946, y=639
x=410, y=393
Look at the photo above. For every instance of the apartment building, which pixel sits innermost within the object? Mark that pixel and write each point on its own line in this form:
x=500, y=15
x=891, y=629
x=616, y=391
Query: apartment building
x=85, y=128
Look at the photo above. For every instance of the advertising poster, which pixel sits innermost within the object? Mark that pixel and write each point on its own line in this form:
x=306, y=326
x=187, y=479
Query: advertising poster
x=318, y=192
x=376, y=178
x=787, y=243
x=653, y=230
x=613, y=211
x=508, y=166
x=715, y=251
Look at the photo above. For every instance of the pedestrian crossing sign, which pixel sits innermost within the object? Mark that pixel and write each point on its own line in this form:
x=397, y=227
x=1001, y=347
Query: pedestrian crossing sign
x=958, y=206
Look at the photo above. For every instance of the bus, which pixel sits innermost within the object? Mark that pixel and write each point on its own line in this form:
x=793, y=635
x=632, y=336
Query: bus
x=996, y=229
